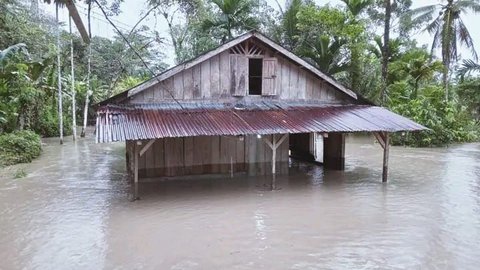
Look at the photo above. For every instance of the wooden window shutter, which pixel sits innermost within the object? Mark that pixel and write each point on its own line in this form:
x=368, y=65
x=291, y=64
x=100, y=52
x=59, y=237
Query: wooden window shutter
x=269, y=76
x=239, y=74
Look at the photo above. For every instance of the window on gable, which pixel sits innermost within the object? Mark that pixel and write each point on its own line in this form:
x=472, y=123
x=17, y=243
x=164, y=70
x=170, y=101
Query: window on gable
x=255, y=68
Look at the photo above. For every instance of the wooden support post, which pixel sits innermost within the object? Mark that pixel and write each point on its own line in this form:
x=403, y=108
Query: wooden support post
x=383, y=139
x=274, y=145
x=386, y=151
x=135, y=170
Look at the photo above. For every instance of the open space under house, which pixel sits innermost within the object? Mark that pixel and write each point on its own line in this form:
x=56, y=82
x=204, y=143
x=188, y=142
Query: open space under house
x=246, y=106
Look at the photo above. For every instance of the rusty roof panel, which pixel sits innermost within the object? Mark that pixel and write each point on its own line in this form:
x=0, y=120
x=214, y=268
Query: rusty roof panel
x=150, y=121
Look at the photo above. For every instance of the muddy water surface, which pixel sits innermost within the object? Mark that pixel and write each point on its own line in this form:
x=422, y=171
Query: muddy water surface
x=72, y=212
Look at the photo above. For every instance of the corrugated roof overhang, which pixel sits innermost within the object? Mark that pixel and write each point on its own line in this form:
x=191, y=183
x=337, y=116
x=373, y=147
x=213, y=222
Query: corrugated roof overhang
x=167, y=120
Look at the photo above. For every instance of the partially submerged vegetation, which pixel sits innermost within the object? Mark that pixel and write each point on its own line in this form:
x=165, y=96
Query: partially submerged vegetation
x=19, y=147
x=384, y=64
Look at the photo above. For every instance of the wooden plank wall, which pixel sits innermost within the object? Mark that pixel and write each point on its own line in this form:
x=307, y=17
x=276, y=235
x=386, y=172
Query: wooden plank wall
x=259, y=156
x=209, y=155
x=212, y=79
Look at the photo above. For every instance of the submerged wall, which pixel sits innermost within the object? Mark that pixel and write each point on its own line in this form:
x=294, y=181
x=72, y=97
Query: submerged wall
x=208, y=155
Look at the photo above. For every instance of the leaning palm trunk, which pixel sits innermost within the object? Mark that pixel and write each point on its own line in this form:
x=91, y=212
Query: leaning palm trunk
x=89, y=92
x=87, y=95
x=74, y=118
x=59, y=70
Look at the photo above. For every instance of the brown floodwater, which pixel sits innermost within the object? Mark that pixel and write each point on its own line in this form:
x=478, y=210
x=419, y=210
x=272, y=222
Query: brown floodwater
x=72, y=211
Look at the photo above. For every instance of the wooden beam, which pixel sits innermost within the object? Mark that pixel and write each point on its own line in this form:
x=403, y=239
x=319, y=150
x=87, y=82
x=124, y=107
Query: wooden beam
x=135, y=172
x=72, y=10
x=282, y=139
x=267, y=142
x=380, y=139
x=386, y=150
x=146, y=147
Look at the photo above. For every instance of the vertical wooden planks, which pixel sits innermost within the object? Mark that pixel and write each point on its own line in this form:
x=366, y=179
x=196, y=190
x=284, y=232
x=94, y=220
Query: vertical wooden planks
x=174, y=156
x=178, y=86
x=225, y=74
x=159, y=157
x=215, y=154
x=269, y=76
x=158, y=92
x=302, y=83
x=215, y=76
x=205, y=79
x=238, y=74
x=188, y=85
x=240, y=155
x=310, y=87
x=232, y=153
x=198, y=148
x=167, y=88
x=149, y=161
x=197, y=82
x=188, y=154
x=293, y=82
x=224, y=155
x=148, y=95
x=251, y=158
x=278, y=79
x=285, y=94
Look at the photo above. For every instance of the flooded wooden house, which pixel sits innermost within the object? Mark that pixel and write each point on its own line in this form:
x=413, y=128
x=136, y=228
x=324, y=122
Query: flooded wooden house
x=247, y=106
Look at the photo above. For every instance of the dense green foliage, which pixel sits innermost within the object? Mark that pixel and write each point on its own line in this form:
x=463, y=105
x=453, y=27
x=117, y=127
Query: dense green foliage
x=345, y=40
x=19, y=147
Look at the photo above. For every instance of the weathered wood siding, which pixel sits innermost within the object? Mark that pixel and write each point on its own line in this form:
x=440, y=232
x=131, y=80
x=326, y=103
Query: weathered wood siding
x=207, y=155
x=225, y=76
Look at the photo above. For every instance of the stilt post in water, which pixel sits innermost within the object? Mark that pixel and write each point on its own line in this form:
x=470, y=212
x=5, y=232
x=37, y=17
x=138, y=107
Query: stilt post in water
x=274, y=144
x=383, y=139
x=386, y=151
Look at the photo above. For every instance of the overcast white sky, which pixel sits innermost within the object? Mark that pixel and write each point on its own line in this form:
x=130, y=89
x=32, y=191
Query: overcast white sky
x=132, y=10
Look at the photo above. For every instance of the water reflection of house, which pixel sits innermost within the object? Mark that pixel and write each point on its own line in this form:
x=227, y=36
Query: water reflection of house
x=246, y=106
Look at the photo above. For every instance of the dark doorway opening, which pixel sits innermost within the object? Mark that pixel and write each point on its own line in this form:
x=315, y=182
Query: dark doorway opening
x=300, y=147
x=255, y=66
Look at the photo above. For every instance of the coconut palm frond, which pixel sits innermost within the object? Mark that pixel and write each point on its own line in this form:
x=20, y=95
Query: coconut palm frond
x=468, y=5
x=434, y=26
x=420, y=17
x=465, y=38
x=430, y=9
x=467, y=67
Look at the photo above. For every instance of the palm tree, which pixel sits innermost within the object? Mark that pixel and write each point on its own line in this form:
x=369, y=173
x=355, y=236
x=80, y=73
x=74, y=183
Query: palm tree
x=448, y=30
x=468, y=67
x=235, y=15
x=325, y=52
x=289, y=24
x=419, y=68
x=355, y=8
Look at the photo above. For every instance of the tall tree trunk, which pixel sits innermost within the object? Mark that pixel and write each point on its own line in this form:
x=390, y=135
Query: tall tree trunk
x=446, y=46
x=445, y=80
x=59, y=71
x=87, y=95
x=386, y=49
x=74, y=117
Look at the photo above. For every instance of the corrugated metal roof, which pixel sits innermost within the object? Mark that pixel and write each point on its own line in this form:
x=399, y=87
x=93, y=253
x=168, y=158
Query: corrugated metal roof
x=150, y=121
